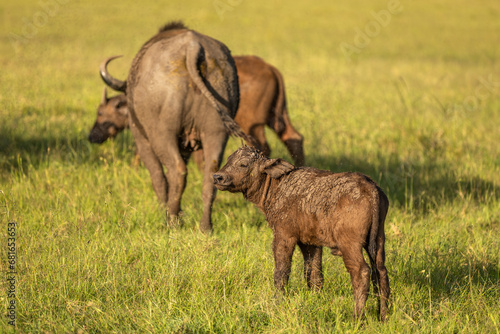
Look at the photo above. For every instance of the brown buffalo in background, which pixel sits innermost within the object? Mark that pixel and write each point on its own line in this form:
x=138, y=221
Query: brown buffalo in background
x=315, y=208
x=262, y=102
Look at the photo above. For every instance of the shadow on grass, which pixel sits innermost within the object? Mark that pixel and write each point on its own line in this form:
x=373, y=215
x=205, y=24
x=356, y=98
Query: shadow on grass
x=416, y=187
x=20, y=150
x=453, y=271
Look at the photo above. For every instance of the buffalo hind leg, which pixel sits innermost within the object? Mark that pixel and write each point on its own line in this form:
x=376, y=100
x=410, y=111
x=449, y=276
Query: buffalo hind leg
x=258, y=132
x=292, y=139
x=360, y=276
x=213, y=150
x=166, y=149
x=296, y=149
x=176, y=176
x=152, y=164
x=313, y=271
x=198, y=159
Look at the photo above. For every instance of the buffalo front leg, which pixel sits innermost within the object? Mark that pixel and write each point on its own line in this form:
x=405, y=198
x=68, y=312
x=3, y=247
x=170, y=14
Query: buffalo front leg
x=152, y=164
x=283, y=250
x=313, y=271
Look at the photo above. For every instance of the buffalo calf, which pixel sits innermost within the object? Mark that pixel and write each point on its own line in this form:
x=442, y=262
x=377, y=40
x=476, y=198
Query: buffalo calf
x=314, y=208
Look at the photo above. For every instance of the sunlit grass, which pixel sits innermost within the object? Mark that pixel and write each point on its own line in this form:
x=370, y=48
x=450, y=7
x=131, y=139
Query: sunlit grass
x=416, y=109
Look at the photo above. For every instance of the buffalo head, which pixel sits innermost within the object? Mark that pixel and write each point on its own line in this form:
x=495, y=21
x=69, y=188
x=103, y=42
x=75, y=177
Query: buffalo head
x=247, y=168
x=112, y=118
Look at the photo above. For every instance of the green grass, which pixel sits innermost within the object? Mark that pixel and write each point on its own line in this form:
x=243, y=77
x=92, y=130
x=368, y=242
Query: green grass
x=417, y=109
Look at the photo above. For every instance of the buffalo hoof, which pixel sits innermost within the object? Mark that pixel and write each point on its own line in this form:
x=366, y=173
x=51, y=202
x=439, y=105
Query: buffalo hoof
x=175, y=221
x=206, y=229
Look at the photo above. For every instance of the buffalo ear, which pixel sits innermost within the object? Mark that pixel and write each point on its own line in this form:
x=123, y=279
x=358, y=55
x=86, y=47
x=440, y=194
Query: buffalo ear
x=123, y=111
x=104, y=99
x=276, y=168
x=122, y=108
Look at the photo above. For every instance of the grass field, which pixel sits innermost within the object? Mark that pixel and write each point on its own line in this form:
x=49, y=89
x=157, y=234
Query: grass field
x=407, y=92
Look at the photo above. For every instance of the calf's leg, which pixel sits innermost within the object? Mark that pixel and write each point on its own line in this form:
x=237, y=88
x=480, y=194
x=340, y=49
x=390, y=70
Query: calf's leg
x=283, y=250
x=360, y=276
x=313, y=271
x=383, y=278
x=380, y=278
x=375, y=276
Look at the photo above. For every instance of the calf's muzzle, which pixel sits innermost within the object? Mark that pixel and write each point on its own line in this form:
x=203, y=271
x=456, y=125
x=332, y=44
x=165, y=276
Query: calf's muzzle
x=218, y=178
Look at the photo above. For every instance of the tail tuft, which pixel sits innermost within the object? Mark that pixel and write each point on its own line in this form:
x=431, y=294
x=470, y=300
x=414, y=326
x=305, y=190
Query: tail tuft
x=374, y=231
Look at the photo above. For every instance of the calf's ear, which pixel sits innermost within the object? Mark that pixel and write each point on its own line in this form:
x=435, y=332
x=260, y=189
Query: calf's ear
x=276, y=168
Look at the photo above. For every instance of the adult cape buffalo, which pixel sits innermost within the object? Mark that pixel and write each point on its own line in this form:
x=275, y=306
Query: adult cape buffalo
x=182, y=94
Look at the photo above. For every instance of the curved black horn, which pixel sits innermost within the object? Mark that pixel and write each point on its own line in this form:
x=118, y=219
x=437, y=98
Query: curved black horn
x=113, y=83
